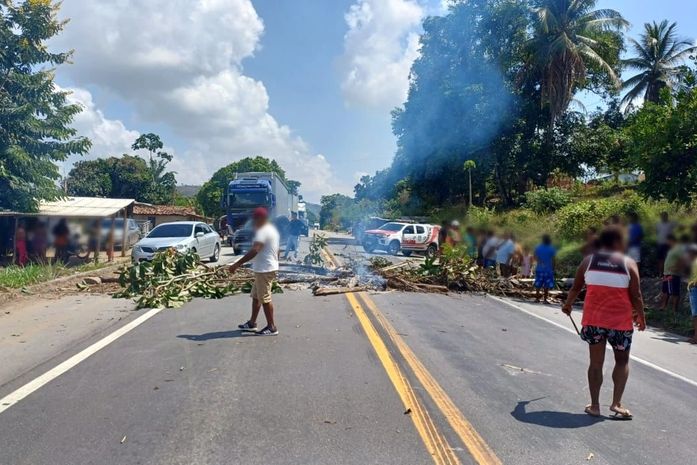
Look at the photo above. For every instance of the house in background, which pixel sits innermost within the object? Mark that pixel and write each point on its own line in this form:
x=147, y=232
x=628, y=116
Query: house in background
x=148, y=216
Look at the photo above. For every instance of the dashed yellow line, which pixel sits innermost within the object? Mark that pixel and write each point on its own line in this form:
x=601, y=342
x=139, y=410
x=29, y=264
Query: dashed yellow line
x=477, y=447
x=435, y=443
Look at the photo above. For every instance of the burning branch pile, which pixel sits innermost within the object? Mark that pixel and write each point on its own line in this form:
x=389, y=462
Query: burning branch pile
x=451, y=271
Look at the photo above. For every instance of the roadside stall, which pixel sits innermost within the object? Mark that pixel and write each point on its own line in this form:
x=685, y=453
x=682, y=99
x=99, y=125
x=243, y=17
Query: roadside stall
x=28, y=235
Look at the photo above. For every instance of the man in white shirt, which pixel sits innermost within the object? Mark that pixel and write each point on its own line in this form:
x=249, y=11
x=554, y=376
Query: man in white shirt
x=264, y=257
x=504, y=254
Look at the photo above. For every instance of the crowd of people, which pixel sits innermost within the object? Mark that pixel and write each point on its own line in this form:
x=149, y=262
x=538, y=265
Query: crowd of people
x=34, y=237
x=674, y=253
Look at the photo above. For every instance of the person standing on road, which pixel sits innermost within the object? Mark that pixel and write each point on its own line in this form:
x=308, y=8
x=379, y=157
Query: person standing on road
x=264, y=256
x=664, y=229
x=692, y=291
x=295, y=229
x=635, y=235
x=544, y=270
x=673, y=267
x=612, y=306
x=504, y=254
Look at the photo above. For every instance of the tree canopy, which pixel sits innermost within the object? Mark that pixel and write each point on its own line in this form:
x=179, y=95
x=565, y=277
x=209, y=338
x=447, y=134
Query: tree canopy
x=128, y=176
x=211, y=192
x=35, y=115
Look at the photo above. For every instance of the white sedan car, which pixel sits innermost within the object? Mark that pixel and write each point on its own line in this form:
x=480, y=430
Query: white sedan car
x=182, y=236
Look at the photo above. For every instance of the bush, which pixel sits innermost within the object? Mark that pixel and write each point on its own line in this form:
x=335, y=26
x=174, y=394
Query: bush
x=568, y=258
x=547, y=200
x=574, y=219
x=480, y=217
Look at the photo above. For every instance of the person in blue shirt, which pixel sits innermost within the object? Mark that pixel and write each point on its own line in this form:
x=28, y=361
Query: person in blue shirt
x=635, y=237
x=544, y=270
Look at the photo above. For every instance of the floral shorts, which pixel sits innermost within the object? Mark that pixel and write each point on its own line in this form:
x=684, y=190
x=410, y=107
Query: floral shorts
x=618, y=339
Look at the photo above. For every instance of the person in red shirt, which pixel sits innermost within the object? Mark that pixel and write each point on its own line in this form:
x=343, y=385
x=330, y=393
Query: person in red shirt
x=613, y=304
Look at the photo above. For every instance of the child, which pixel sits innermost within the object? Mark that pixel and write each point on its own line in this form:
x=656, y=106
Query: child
x=526, y=268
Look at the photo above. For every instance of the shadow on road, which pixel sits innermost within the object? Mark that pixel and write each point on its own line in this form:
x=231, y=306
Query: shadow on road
x=550, y=419
x=216, y=335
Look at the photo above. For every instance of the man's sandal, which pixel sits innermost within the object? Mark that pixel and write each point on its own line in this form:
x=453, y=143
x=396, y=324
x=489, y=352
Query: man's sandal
x=621, y=413
x=591, y=411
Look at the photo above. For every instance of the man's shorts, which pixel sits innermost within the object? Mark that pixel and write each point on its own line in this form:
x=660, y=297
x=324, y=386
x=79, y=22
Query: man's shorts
x=544, y=279
x=663, y=251
x=671, y=285
x=618, y=339
x=634, y=253
x=693, y=301
x=261, y=289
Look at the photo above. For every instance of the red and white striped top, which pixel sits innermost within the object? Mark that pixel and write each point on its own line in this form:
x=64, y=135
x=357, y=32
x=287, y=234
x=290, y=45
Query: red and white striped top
x=607, y=304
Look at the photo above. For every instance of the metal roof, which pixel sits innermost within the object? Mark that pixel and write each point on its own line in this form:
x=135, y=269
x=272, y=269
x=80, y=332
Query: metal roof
x=78, y=207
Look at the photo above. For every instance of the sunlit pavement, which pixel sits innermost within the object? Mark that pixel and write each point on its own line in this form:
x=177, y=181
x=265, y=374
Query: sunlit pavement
x=360, y=379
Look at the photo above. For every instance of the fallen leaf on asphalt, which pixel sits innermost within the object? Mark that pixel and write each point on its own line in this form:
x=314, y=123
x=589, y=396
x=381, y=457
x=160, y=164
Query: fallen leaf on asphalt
x=181, y=368
x=156, y=388
x=590, y=456
x=212, y=370
x=330, y=422
x=123, y=439
x=504, y=329
x=408, y=411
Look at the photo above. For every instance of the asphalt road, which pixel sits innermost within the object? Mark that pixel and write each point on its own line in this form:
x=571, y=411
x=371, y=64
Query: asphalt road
x=360, y=379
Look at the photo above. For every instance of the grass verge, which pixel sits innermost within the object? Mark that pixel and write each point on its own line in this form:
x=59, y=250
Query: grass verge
x=17, y=277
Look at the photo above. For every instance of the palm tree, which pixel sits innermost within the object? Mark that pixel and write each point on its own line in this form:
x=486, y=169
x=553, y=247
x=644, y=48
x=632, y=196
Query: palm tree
x=659, y=54
x=569, y=37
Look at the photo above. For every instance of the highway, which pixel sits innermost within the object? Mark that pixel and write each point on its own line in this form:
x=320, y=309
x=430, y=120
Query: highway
x=379, y=378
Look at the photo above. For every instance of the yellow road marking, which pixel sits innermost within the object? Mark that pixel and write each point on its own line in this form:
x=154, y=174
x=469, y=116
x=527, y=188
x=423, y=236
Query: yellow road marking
x=331, y=257
x=478, y=448
x=435, y=443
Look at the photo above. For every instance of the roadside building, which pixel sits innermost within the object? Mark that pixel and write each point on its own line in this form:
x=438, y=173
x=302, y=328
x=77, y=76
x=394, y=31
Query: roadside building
x=77, y=213
x=148, y=216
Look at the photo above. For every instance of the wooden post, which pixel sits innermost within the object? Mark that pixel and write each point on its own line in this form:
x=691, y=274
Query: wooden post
x=14, y=241
x=98, y=245
x=110, y=239
x=124, y=239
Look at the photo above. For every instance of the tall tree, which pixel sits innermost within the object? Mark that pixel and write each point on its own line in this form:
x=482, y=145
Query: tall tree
x=35, y=115
x=162, y=188
x=664, y=146
x=212, y=191
x=570, y=38
x=659, y=55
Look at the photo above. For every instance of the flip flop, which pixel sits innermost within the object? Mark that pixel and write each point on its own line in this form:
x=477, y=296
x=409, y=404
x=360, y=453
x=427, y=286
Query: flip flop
x=621, y=413
x=591, y=412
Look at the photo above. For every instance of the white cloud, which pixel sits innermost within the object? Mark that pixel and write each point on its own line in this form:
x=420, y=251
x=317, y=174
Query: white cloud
x=380, y=46
x=179, y=64
x=108, y=136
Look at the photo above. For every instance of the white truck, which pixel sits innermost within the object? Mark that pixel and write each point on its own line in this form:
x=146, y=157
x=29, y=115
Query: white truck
x=408, y=238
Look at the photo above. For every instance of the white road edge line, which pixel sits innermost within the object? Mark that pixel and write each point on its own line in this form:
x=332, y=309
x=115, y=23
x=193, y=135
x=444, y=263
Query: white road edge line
x=569, y=330
x=16, y=396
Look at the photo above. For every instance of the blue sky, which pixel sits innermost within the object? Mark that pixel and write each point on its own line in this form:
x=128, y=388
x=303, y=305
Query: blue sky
x=309, y=82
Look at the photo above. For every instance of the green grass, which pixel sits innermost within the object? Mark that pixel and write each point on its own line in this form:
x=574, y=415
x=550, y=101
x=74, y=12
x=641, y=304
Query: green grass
x=17, y=277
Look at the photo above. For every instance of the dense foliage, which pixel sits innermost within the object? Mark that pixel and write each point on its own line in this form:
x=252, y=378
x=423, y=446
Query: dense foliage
x=496, y=84
x=128, y=176
x=35, y=115
x=211, y=192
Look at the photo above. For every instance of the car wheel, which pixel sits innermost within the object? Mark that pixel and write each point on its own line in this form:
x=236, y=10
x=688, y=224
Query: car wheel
x=432, y=251
x=406, y=253
x=394, y=247
x=216, y=254
x=369, y=246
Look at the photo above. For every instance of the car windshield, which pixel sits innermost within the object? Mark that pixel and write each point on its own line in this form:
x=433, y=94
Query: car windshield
x=171, y=230
x=391, y=227
x=248, y=199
